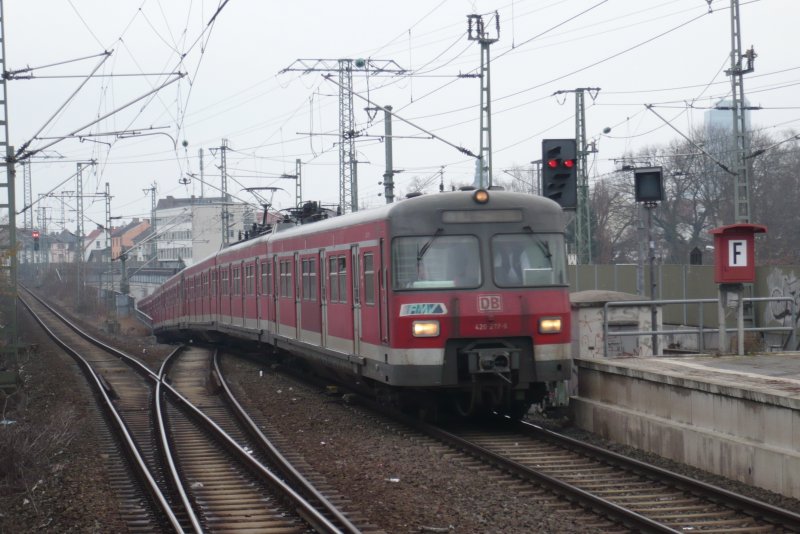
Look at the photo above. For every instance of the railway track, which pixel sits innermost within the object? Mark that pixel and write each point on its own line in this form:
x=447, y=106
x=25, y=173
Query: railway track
x=198, y=382
x=631, y=494
x=636, y=494
x=206, y=481
x=122, y=393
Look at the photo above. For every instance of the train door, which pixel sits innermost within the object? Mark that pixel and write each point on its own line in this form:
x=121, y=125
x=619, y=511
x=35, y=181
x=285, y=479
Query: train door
x=356, y=288
x=261, y=268
x=193, y=299
x=201, y=295
x=309, y=317
x=298, y=296
x=224, y=294
x=286, y=317
x=182, y=301
x=273, y=294
x=213, y=298
x=383, y=294
x=207, y=297
x=323, y=297
x=196, y=300
x=242, y=294
x=369, y=300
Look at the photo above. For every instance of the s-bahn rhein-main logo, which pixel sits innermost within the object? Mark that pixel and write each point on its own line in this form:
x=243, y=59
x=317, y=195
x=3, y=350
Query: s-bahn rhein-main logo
x=423, y=308
x=490, y=303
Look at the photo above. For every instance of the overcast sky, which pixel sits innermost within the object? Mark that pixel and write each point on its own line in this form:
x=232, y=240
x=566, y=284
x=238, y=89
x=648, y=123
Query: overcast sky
x=669, y=53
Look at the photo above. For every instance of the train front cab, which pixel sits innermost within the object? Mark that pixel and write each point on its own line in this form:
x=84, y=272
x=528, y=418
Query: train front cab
x=480, y=301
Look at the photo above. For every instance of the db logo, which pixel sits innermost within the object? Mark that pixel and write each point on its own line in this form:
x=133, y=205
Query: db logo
x=490, y=303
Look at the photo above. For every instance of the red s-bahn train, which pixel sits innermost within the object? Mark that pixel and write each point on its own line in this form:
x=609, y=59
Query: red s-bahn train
x=458, y=298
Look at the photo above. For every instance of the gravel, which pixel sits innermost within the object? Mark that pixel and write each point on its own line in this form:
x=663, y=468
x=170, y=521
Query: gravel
x=401, y=483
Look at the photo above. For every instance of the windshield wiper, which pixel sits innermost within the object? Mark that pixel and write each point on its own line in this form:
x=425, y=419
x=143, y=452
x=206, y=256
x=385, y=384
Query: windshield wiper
x=544, y=246
x=428, y=244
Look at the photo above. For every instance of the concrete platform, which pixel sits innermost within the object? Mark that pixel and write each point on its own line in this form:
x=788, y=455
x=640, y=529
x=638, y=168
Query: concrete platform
x=736, y=416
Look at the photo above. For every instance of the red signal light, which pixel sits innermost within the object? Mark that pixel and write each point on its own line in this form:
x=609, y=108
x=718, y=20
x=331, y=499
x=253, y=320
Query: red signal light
x=35, y=234
x=552, y=163
x=569, y=163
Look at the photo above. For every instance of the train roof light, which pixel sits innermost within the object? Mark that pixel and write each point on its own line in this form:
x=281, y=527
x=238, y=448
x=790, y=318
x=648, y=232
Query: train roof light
x=481, y=196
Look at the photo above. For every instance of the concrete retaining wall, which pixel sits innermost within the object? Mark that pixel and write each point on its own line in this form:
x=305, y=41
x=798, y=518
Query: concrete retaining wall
x=746, y=435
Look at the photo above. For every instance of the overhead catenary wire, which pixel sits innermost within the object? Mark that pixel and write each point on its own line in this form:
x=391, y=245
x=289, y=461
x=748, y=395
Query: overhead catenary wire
x=266, y=151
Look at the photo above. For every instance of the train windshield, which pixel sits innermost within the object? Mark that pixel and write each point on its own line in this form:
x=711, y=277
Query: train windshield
x=436, y=262
x=525, y=260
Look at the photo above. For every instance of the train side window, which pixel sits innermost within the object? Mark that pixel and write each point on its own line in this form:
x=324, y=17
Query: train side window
x=237, y=288
x=270, y=279
x=312, y=279
x=286, y=279
x=249, y=279
x=333, y=276
x=305, y=292
x=369, y=279
x=342, y=279
x=224, y=282
x=264, y=285
x=309, y=279
x=337, y=276
x=213, y=283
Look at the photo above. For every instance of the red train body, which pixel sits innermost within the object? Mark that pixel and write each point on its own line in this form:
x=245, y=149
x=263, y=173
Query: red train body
x=459, y=297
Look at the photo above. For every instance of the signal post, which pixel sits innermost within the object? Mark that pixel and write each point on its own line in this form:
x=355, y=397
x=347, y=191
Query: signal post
x=734, y=266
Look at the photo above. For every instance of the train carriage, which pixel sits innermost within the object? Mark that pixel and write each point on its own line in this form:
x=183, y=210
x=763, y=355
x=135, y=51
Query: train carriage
x=458, y=298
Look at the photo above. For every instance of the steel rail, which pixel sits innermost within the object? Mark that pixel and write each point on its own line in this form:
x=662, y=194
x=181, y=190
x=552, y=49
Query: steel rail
x=166, y=448
x=715, y=494
x=285, y=467
x=307, y=511
x=127, y=440
x=586, y=500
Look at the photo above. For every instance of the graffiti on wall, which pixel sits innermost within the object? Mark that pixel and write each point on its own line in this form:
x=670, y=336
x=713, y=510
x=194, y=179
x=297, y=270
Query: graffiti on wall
x=782, y=284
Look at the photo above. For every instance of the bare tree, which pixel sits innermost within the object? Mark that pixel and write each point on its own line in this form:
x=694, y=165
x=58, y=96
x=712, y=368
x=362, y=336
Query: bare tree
x=523, y=180
x=613, y=219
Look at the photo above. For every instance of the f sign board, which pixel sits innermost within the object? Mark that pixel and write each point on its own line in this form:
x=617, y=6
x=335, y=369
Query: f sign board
x=737, y=253
x=734, y=253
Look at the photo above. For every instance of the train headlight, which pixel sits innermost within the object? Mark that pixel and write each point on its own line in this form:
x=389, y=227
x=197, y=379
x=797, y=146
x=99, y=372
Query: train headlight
x=425, y=328
x=550, y=325
x=481, y=196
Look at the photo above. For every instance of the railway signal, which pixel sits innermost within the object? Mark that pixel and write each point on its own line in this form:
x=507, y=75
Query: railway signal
x=560, y=171
x=648, y=184
x=35, y=235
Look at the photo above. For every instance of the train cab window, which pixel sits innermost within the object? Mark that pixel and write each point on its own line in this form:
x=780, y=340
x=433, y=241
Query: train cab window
x=369, y=279
x=526, y=260
x=436, y=262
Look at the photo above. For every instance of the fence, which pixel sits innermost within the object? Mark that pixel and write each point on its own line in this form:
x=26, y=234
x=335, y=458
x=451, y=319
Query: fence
x=700, y=329
x=689, y=282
